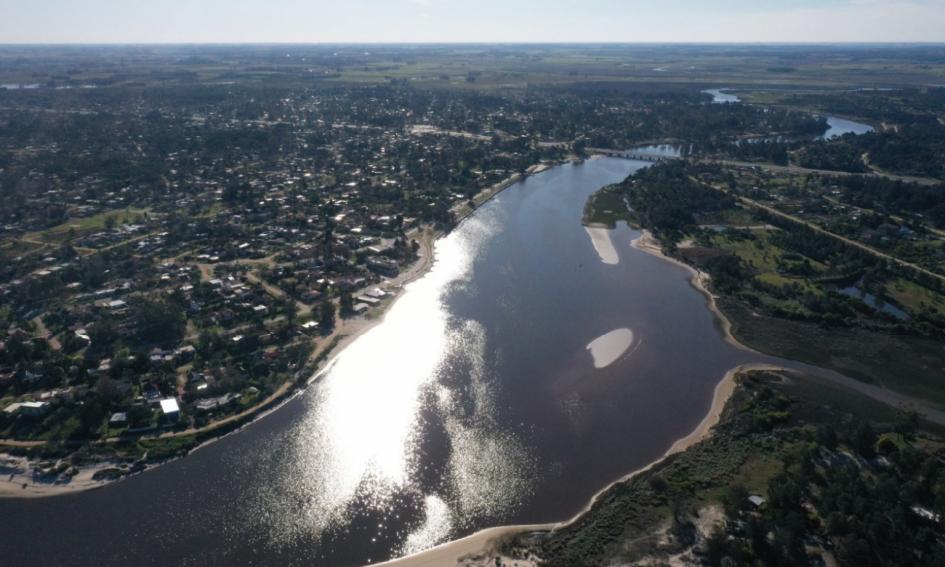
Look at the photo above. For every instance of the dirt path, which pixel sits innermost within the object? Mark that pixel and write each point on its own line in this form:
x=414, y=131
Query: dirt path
x=216, y=424
x=897, y=218
x=304, y=309
x=21, y=444
x=45, y=334
x=816, y=228
x=206, y=274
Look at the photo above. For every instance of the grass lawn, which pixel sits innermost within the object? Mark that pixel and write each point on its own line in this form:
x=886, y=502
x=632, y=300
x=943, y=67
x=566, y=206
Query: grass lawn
x=86, y=225
x=606, y=207
x=915, y=297
x=910, y=365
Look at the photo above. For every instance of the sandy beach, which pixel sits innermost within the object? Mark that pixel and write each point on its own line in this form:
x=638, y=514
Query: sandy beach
x=648, y=243
x=479, y=548
x=603, y=244
x=17, y=481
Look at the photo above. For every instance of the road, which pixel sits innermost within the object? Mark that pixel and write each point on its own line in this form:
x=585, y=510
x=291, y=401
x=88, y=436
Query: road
x=816, y=228
x=798, y=170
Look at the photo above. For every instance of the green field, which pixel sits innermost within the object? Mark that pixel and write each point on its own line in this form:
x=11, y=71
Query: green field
x=85, y=225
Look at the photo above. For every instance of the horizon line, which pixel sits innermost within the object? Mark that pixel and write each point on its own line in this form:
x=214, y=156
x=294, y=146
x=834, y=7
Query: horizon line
x=938, y=43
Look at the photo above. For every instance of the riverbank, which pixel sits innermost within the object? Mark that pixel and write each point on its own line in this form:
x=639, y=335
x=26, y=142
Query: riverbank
x=18, y=482
x=481, y=548
x=346, y=331
x=463, y=210
x=648, y=243
x=20, y=478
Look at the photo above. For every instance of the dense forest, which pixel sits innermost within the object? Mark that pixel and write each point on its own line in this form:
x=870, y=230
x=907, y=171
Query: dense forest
x=910, y=140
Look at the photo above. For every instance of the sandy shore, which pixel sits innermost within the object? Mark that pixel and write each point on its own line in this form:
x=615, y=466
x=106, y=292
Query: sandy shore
x=17, y=480
x=470, y=550
x=480, y=548
x=648, y=243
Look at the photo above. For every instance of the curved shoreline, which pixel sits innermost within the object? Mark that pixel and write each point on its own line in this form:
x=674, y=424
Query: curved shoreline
x=480, y=544
x=483, y=542
x=16, y=481
x=21, y=484
x=648, y=243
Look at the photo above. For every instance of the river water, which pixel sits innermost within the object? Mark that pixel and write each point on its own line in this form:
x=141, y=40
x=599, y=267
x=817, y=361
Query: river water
x=840, y=126
x=518, y=377
x=836, y=126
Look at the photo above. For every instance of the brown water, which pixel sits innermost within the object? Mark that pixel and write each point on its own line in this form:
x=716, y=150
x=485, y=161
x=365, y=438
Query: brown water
x=477, y=402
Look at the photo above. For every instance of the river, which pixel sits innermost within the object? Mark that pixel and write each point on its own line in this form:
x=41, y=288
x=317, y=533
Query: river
x=530, y=367
x=836, y=126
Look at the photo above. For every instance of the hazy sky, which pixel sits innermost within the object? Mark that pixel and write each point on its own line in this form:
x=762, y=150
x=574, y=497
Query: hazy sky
x=311, y=21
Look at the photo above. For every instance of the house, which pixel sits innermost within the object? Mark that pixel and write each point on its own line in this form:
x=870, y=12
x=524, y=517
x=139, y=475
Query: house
x=312, y=296
x=209, y=404
x=170, y=410
x=383, y=266
x=34, y=409
x=756, y=501
x=118, y=419
x=926, y=514
x=29, y=409
x=206, y=405
x=185, y=353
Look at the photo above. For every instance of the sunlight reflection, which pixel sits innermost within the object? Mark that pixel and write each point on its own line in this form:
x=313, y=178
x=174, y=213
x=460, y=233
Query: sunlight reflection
x=359, y=434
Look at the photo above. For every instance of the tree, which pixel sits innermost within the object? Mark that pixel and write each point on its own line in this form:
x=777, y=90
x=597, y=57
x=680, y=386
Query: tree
x=139, y=415
x=735, y=498
x=579, y=147
x=103, y=335
x=158, y=322
x=291, y=311
x=347, y=303
x=326, y=312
